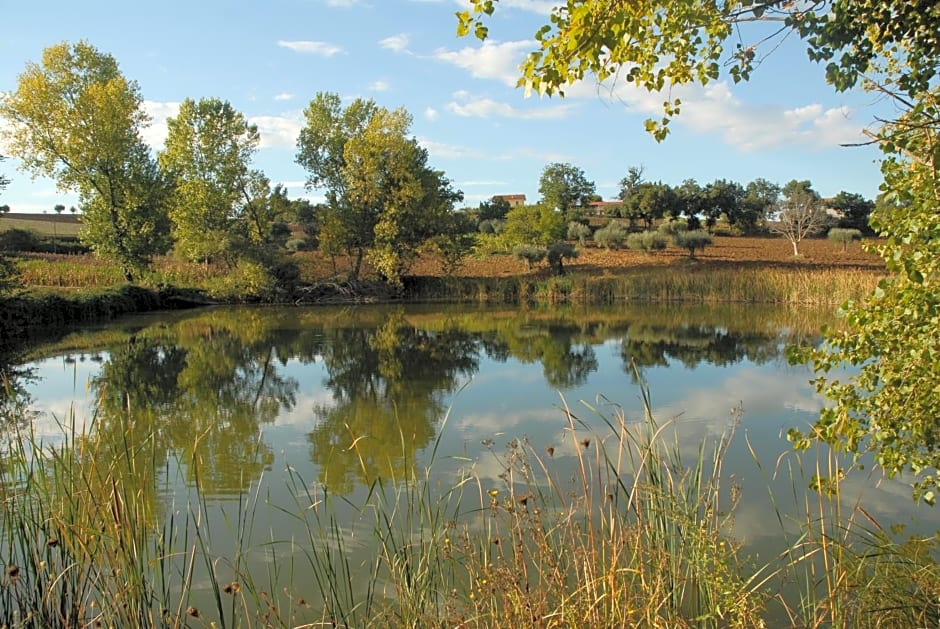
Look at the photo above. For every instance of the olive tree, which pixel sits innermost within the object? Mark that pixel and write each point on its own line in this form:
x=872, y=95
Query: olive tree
x=74, y=117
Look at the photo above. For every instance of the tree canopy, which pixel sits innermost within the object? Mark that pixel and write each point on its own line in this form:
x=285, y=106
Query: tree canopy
x=208, y=152
x=566, y=188
x=75, y=118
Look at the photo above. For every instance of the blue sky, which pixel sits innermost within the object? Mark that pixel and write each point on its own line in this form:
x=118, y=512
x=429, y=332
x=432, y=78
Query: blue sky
x=269, y=59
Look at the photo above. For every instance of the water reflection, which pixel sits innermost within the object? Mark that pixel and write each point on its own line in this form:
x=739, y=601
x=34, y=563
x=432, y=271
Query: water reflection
x=205, y=385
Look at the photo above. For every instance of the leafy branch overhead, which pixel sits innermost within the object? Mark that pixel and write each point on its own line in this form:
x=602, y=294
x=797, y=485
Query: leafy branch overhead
x=660, y=44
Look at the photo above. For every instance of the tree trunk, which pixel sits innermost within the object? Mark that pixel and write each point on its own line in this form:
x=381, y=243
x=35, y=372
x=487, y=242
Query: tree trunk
x=796, y=245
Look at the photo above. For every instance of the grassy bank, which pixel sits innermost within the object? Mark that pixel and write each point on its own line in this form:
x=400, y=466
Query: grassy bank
x=615, y=528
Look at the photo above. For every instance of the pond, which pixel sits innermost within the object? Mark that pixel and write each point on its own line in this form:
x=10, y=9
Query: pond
x=255, y=414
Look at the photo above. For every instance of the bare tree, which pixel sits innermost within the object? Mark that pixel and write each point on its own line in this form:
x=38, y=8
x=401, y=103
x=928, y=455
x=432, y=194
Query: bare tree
x=799, y=214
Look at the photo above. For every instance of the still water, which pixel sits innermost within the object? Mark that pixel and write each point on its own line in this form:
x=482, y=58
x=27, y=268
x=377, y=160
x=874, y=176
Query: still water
x=249, y=404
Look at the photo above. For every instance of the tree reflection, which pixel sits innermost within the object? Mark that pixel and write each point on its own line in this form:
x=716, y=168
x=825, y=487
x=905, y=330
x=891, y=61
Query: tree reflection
x=202, y=390
x=647, y=346
x=388, y=386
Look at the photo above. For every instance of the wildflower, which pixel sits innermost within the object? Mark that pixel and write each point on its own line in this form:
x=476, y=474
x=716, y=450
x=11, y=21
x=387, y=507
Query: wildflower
x=494, y=492
x=192, y=611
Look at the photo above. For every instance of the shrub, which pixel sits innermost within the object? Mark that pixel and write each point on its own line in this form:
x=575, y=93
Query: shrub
x=530, y=253
x=248, y=280
x=844, y=236
x=611, y=236
x=646, y=241
x=21, y=240
x=692, y=240
x=578, y=231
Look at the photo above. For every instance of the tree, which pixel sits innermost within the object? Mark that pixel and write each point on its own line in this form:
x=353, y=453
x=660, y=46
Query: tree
x=533, y=225
x=382, y=196
x=799, y=214
x=723, y=198
x=495, y=209
x=565, y=188
x=853, y=209
x=77, y=119
x=844, y=236
x=219, y=204
x=650, y=202
x=692, y=240
x=760, y=198
x=892, y=48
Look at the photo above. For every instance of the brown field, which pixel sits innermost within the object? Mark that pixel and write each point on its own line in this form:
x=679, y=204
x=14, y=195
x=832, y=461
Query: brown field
x=726, y=252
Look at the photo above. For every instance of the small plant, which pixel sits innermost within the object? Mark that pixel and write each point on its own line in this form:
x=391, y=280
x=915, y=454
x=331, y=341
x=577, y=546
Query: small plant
x=692, y=240
x=844, y=236
x=646, y=241
x=530, y=253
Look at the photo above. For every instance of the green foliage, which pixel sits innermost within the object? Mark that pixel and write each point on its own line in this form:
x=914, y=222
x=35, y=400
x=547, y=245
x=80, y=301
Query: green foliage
x=557, y=253
x=530, y=253
x=889, y=407
x=673, y=226
x=533, y=225
x=578, y=231
x=692, y=240
x=247, y=281
x=92, y=145
x=208, y=150
x=495, y=209
x=564, y=187
x=382, y=196
x=844, y=236
x=854, y=210
x=647, y=241
x=19, y=240
x=611, y=236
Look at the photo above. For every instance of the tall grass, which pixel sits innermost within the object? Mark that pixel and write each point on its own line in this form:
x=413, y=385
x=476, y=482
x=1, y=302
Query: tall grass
x=615, y=526
x=667, y=284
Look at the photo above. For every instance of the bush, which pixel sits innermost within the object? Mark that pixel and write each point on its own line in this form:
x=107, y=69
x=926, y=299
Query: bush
x=19, y=240
x=578, y=231
x=530, y=253
x=611, y=236
x=646, y=241
x=556, y=254
x=249, y=280
x=692, y=240
x=297, y=244
x=844, y=236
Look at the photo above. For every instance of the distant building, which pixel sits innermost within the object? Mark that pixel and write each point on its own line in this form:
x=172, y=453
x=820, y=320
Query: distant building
x=514, y=200
x=603, y=208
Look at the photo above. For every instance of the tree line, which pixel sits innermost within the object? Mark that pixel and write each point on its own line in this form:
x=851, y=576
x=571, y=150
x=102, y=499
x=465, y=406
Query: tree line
x=76, y=118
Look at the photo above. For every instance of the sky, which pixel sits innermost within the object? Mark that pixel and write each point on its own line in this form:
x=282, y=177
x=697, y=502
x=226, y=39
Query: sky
x=269, y=59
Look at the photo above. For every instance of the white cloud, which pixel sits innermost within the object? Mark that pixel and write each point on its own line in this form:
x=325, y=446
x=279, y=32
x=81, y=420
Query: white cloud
x=443, y=150
x=284, y=96
x=431, y=114
x=278, y=131
x=379, y=86
x=750, y=127
x=341, y=3
x=155, y=134
x=489, y=108
x=499, y=61
x=396, y=43
x=490, y=184
x=311, y=47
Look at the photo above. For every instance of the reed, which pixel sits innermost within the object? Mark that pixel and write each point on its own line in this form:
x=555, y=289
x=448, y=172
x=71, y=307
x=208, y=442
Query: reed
x=666, y=284
x=614, y=526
